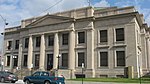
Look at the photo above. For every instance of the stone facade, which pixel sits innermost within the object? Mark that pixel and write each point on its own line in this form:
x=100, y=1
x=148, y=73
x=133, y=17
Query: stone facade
x=88, y=21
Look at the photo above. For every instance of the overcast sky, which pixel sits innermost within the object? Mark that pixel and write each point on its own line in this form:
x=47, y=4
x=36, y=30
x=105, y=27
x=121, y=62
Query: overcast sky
x=16, y=10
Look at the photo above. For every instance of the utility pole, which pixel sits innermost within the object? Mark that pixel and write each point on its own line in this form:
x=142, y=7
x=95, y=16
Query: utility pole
x=89, y=2
x=5, y=23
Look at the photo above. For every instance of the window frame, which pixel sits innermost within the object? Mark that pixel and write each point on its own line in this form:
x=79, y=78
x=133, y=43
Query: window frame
x=81, y=37
x=65, y=38
x=102, y=36
x=37, y=41
x=64, y=60
x=120, y=34
x=120, y=62
x=79, y=59
x=50, y=40
x=101, y=59
x=26, y=45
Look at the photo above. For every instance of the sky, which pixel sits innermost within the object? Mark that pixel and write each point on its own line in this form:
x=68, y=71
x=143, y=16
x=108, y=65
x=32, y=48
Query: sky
x=13, y=11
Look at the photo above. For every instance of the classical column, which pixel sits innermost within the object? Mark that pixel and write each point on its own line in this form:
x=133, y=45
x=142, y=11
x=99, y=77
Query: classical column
x=30, y=53
x=42, y=53
x=71, y=50
x=56, y=51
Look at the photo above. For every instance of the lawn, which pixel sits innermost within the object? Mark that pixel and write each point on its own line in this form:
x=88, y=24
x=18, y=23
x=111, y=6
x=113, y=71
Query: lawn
x=117, y=80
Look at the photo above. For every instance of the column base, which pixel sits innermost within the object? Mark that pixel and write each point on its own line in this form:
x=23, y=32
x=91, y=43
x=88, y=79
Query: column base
x=68, y=74
x=90, y=73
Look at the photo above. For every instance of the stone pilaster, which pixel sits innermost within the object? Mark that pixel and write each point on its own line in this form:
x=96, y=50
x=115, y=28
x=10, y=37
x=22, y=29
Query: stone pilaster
x=90, y=54
x=56, y=50
x=30, y=53
x=42, y=53
x=20, y=54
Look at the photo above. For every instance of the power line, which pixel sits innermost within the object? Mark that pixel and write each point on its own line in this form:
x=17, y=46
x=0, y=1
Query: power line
x=51, y=6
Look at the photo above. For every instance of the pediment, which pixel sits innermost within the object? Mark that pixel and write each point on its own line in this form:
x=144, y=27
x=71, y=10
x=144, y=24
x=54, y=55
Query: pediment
x=49, y=19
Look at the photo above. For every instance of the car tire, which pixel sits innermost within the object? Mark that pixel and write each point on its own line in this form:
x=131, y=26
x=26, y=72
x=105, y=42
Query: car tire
x=2, y=80
x=47, y=82
x=27, y=82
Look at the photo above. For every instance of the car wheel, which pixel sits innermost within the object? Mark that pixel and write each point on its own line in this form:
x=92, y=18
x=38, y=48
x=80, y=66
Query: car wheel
x=27, y=82
x=47, y=82
x=2, y=80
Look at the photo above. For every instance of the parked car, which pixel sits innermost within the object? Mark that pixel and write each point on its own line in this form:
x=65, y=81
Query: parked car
x=8, y=76
x=43, y=77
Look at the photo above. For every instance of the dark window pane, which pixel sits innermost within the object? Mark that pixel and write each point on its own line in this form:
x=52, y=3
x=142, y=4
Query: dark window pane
x=65, y=60
x=81, y=37
x=49, y=61
x=37, y=60
x=9, y=45
x=120, y=58
x=103, y=36
x=8, y=60
x=26, y=42
x=38, y=41
x=17, y=44
x=81, y=58
x=103, y=58
x=50, y=40
x=120, y=34
x=65, y=39
x=15, y=61
x=25, y=60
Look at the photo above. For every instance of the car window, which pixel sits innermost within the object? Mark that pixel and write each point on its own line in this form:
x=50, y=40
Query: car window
x=9, y=72
x=36, y=74
x=44, y=74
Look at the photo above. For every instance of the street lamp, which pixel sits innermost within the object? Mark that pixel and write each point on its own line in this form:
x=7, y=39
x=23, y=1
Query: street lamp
x=58, y=62
x=82, y=71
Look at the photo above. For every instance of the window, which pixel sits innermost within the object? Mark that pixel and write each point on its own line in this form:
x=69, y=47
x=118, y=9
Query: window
x=8, y=60
x=38, y=41
x=37, y=60
x=65, y=60
x=65, y=39
x=120, y=58
x=26, y=42
x=120, y=34
x=25, y=60
x=50, y=40
x=81, y=37
x=104, y=59
x=15, y=60
x=49, y=61
x=17, y=44
x=81, y=59
x=9, y=45
x=103, y=35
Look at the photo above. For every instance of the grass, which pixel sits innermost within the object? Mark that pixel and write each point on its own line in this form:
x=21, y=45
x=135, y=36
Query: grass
x=117, y=80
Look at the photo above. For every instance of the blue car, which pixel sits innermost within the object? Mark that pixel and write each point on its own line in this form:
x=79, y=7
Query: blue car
x=43, y=77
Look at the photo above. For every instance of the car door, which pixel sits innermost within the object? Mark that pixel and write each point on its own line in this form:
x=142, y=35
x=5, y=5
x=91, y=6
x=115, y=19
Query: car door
x=35, y=77
x=42, y=77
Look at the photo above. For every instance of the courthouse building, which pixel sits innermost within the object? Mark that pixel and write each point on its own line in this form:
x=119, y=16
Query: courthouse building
x=106, y=40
